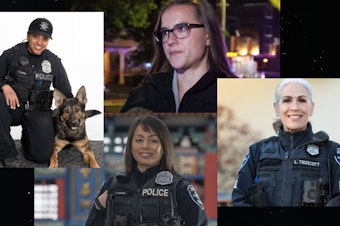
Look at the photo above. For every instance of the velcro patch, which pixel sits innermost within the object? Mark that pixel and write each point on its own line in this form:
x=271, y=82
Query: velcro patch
x=303, y=162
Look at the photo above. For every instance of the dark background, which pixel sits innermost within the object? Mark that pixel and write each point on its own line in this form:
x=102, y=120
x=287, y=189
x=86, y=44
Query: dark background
x=309, y=45
x=309, y=49
x=17, y=197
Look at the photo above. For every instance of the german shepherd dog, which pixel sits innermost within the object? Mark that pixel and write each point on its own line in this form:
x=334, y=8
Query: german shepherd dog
x=70, y=116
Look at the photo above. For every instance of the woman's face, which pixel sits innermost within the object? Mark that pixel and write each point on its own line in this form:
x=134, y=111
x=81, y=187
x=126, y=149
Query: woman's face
x=294, y=107
x=187, y=53
x=146, y=148
x=37, y=43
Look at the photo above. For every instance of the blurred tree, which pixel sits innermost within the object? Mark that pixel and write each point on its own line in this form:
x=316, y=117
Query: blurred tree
x=133, y=19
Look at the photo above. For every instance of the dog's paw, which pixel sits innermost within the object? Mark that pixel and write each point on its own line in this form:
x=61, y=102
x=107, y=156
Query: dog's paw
x=53, y=166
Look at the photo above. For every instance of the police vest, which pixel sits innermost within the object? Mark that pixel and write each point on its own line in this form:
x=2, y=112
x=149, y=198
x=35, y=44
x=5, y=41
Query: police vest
x=25, y=78
x=286, y=176
x=152, y=204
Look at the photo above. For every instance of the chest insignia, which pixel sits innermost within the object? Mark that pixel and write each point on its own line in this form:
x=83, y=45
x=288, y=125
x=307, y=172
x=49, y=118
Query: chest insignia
x=23, y=61
x=46, y=66
x=164, y=178
x=312, y=150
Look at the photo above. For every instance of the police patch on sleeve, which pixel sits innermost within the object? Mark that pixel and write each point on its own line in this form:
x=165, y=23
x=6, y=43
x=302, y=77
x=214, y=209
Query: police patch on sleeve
x=337, y=156
x=194, y=196
x=245, y=160
x=164, y=178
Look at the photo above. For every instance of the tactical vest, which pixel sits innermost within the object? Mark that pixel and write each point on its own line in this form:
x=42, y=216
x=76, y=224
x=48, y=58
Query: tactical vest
x=149, y=205
x=297, y=178
x=31, y=83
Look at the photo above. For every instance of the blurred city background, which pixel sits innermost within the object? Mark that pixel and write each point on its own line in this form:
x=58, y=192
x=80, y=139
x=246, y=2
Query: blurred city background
x=63, y=197
x=252, y=34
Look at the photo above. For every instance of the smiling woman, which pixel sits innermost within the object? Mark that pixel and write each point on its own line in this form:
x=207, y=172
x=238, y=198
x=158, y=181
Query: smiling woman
x=72, y=33
x=297, y=160
x=145, y=194
x=30, y=70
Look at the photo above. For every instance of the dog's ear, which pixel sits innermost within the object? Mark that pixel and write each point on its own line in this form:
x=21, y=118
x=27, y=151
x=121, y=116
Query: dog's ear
x=90, y=113
x=59, y=97
x=81, y=95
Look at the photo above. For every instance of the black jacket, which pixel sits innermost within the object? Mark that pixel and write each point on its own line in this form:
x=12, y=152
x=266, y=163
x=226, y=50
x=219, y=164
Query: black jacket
x=189, y=206
x=34, y=68
x=287, y=168
x=155, y=94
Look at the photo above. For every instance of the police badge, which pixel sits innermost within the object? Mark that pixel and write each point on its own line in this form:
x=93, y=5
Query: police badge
x=46, y=66
x=164, y=178
x=312, y=149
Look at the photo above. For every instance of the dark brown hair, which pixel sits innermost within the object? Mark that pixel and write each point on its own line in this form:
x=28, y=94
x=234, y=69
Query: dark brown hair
x=155, y=125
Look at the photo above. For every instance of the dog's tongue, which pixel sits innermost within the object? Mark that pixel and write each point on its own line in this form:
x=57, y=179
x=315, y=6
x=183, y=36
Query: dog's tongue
x=74, y=128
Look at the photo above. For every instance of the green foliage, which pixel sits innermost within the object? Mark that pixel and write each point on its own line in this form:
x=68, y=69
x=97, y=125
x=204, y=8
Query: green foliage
x=122, y=16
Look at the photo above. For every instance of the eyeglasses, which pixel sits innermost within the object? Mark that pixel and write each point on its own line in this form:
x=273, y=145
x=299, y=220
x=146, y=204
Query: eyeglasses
x=180, y=31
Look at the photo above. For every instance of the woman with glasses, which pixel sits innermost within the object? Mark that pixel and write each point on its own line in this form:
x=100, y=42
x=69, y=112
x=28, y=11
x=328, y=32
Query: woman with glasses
x=190, y=54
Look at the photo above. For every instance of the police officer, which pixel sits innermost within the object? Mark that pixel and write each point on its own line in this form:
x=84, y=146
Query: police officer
x=150, y=192
x=295, y=168
x=27, y=71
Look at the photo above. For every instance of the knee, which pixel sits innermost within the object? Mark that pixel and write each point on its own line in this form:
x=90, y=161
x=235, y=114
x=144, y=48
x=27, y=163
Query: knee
x=40, y=154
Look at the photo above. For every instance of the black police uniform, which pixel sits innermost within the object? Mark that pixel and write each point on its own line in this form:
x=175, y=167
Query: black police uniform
x=155, y=94
x=154, y=197
x=291, y=169
x=31, y=77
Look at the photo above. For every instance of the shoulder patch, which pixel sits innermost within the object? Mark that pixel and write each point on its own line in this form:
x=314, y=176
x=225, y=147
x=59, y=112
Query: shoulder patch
x=245, y=160
x=164, y=178
x=194, y=196
x=337, y=156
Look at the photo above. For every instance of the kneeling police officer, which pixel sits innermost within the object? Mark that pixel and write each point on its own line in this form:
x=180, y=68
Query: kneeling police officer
x=27, y=71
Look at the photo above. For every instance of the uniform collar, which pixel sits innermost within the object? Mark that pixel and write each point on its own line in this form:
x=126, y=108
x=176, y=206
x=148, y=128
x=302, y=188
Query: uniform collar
x=143, y=177
x=290, y=140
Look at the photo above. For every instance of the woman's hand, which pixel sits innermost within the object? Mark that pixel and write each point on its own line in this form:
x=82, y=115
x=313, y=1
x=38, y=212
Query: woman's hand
x=12, y=99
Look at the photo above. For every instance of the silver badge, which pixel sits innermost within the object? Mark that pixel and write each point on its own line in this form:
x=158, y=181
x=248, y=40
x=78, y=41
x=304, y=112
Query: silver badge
x=312, y=149
x=46, y=66
x=164, y=178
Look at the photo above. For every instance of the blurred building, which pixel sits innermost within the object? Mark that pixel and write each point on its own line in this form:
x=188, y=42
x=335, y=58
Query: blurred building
x=254, y=38
x=63, y=196
x=194, y=137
